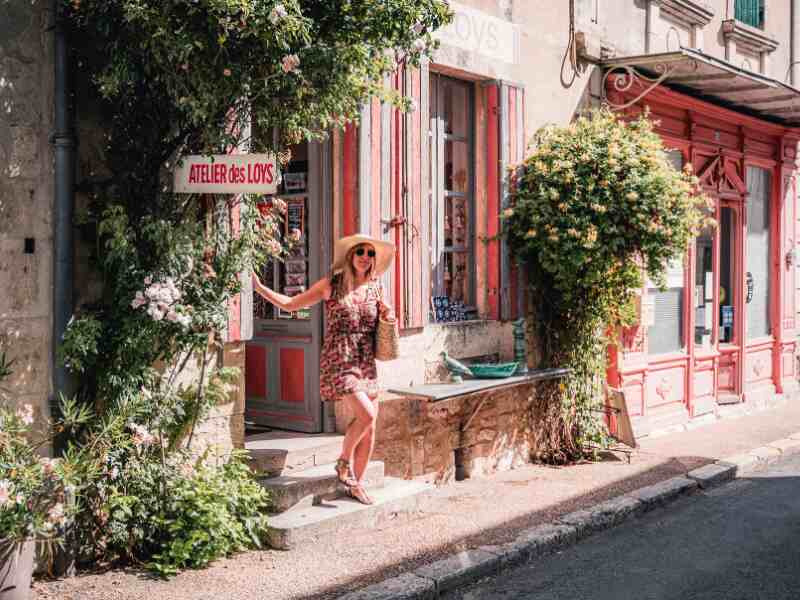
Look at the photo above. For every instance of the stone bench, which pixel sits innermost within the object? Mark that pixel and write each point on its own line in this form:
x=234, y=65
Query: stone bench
x=448, y=431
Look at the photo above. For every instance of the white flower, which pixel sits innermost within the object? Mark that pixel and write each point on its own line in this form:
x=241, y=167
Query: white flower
x=5, y=498
x=148, y=280
x=420, y=45
x=184, y=320
x=114, y=472
x=290, y=62
x=25, y=414
x=277, y=13
x=56, y=514
x=413, y=105
x=295, y=235
x=417, y=28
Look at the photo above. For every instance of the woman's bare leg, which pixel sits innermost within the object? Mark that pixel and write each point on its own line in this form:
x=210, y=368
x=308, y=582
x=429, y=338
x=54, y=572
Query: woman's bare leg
x=364, y=447
x=365, y=414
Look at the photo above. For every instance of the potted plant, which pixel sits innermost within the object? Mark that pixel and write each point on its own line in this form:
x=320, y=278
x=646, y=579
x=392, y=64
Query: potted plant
x=32, y=495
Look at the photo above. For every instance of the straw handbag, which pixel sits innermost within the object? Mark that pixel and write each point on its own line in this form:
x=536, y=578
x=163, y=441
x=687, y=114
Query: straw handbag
x=387, y=339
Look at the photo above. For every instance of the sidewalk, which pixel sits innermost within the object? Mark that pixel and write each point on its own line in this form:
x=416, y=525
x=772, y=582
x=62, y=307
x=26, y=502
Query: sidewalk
x=456, y=517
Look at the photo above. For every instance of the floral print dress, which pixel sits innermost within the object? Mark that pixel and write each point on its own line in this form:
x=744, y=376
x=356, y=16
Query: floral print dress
x=347, y=362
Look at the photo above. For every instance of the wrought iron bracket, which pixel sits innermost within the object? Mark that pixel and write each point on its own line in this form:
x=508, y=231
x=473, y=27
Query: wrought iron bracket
x=622, y=78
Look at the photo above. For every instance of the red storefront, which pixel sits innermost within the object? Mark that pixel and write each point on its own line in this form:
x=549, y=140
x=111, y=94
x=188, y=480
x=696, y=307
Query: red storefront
x=431, y=180
x=724, y=330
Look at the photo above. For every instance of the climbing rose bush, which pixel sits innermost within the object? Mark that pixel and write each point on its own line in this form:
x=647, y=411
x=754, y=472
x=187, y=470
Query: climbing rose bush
x=597, y=206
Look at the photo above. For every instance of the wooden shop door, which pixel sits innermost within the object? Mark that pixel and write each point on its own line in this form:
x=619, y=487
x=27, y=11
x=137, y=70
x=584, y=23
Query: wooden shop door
x=282, y=360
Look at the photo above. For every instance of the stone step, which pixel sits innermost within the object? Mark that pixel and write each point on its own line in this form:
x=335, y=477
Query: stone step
x=283, y=452
x=301, y=524
x=313, y=485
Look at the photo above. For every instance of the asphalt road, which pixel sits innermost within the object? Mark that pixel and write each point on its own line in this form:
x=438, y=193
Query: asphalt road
x=738, y=541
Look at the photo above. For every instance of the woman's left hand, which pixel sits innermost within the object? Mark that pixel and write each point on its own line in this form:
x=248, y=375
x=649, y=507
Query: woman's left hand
x=385, y=312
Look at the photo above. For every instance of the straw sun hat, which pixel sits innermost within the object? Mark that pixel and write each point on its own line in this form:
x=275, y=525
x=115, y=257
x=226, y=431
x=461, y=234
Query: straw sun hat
x=384, y=252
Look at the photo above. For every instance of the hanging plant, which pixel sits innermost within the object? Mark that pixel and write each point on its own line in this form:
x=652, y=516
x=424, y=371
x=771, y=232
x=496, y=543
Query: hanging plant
x=597, y=206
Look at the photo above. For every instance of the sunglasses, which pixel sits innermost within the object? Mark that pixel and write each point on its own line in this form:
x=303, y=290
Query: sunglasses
x=361, y=251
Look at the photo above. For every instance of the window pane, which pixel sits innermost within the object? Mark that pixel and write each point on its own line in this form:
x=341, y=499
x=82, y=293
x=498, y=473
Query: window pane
x=727, y=274
x=704, y=290
x=456, y=166
x=666, y=333
x=456, y=225
x=456, y=282
x=758, y=251
x=455, y=108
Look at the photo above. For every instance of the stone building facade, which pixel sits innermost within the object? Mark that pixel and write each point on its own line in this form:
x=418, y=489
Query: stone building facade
x=26, y=200
x=511, y=66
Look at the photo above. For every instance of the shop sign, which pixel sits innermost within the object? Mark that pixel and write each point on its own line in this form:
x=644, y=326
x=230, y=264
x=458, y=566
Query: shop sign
x=483, y=34
x=227, y=174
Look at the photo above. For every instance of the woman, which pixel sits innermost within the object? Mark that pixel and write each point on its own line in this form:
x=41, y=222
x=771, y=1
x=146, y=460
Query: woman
x=353, y=299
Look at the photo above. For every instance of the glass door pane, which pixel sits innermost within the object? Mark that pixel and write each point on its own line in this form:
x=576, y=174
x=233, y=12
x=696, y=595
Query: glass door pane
x=727, y=274
x=757, y=284
x=704, y=290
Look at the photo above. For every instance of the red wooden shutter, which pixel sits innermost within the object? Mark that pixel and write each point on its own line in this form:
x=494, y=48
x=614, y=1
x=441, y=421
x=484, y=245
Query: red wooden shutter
x=403, y=151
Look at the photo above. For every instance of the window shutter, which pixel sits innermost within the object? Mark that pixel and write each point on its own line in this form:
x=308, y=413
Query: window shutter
x=410, y=173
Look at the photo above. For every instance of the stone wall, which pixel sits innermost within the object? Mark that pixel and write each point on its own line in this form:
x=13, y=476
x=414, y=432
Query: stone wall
x=223, y=430
x=26, y=199
x=418, y=439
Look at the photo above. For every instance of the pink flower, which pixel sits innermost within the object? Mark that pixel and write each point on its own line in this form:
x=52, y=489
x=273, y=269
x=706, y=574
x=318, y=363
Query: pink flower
x=279, y=205
x=273, y=247
x=49, y=465
x=226, y=72
x=138, y=300
x=141, y=436
x=25, y=414
x=5, y=498
x=290, y=62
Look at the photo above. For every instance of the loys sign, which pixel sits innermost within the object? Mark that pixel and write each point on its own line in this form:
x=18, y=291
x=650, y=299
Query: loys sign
x=227, y=174
x=485, y=35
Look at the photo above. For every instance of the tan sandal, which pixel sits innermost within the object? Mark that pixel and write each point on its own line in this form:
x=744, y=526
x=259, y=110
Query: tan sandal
x=357, y=492
x=343, y=472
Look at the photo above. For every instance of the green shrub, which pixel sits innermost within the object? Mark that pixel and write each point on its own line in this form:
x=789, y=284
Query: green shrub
x=597, y=205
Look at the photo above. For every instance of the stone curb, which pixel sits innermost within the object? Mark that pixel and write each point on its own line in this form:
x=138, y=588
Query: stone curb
x=468, y=566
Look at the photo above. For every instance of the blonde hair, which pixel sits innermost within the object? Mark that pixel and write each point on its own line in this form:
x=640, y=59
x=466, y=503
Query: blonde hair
x=343, y=281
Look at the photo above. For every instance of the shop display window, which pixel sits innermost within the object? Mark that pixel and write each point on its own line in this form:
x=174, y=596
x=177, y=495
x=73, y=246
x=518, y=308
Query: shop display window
x=290, y=275
x=452, y=201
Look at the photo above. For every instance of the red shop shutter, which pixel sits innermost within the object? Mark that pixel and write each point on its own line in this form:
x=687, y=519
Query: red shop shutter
x=402, y=149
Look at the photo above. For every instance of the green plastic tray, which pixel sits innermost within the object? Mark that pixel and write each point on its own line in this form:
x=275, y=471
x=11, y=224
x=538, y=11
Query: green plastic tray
x=493, y=370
